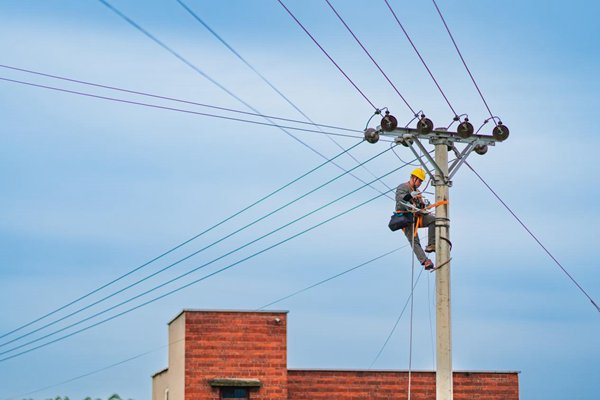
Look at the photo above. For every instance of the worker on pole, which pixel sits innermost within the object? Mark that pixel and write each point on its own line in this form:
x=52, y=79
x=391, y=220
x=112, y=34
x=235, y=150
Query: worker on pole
x=410, y=200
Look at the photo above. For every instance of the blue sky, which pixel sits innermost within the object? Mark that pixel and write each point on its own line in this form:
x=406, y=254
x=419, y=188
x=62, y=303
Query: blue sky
x=93, y=189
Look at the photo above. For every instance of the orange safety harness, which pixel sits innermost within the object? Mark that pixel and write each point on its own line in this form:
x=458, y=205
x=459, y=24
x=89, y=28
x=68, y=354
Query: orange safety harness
x=419, y=217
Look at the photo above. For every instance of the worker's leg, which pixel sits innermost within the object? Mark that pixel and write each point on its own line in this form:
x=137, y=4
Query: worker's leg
x=429, y=222
x=408, y=231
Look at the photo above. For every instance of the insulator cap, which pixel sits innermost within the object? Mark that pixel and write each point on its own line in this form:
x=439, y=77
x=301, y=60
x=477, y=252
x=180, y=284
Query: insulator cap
x=500, y=132
x=371, y=135
x=465, y=129
x=481, y=149
x=389, y=123
x=425, y=125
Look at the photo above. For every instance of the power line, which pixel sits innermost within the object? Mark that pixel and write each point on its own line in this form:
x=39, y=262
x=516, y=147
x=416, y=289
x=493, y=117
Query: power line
x=190, y=256
x=181, y=244
x=430, y=323
x=203, y=74
x=206, y=276
x=420, y=57
x=534, y=237
x=156, y=96
x=371, y=57
x=463, y=60
x=412, y=300
x=179, y=340
x=181, y=275
x=263, y=78
x=92, y=372
x=389, y=336
x=172, y=108
x=330, y=278
x=327, y=54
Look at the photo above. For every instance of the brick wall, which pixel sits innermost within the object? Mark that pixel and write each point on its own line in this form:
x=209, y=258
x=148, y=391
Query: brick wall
x=235, y=345
x=380, y=385
x=252, y=346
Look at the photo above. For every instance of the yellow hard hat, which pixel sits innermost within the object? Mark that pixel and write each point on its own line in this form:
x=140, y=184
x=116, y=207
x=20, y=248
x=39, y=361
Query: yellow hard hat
x=419, y=173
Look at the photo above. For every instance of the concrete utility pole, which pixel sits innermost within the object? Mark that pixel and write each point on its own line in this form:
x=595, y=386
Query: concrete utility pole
x=441, y=176
x=443, y=378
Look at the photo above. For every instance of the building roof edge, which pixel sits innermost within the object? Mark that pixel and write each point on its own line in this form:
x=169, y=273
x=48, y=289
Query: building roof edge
x=395, y=370
x=227, y=311
x=160, y=372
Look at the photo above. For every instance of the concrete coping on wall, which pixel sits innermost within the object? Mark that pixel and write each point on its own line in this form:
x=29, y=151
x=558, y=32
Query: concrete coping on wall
x=228, y=311
x=235, y=382
x=394, y=371
x=162, y=371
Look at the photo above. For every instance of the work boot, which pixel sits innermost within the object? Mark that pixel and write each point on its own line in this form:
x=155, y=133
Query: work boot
x=430, y=248
x=428, y=265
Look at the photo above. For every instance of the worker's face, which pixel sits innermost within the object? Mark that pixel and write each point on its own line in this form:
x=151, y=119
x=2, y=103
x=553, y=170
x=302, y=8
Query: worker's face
x=416, y=182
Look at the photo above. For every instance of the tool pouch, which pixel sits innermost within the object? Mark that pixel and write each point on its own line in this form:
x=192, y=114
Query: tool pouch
x=400, y=221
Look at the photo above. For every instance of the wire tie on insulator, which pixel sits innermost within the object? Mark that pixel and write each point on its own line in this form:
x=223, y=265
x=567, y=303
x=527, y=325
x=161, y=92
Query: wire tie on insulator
x=485, y=121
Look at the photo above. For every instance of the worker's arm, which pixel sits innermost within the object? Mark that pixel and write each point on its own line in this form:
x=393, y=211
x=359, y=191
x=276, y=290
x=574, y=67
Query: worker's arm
x=403, y=197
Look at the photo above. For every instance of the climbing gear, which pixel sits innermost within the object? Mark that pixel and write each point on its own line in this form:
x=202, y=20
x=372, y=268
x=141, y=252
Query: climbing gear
x=430, y=248
x=440, y=266
x=400, y=220
x=404, y=218
x=419, y=173
x=428, y=265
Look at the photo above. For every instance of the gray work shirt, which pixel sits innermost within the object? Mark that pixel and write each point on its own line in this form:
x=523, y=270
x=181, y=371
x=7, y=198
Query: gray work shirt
x=402, y=190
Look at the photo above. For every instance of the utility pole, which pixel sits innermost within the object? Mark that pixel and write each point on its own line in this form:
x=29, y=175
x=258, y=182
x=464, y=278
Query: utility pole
x=441, y=176
x=443, y=377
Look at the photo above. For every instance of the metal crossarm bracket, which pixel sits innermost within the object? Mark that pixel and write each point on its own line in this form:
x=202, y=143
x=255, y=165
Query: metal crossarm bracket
x=434, y=176
x=423, y=163
x=409, y=136
x=460, y=158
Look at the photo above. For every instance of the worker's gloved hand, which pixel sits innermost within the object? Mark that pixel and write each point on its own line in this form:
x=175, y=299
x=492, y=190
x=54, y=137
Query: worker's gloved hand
x=414, y=194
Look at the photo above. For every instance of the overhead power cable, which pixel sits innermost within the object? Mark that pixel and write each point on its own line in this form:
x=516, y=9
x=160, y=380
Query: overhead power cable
x=203, y=74
x=263, y=78
x=371, y=57
x=430, y=323
x=327, y=54
x=420, y=57
x=229, y=218
x=463, y=61
x=156, y=96
x=330, y=278
x=254, y=222
x=176, y=278
x=201, y=278
x=389, y=336
x=116, y=364
x=138, y=103
x=534, y=237
x=96, y=371
x=410, y=326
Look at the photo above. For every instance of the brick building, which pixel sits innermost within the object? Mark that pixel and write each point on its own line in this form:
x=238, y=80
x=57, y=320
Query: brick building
x=243, y=355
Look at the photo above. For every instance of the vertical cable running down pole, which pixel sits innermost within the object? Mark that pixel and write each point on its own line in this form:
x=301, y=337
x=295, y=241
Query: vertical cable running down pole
x=430, y=323
x=412, y=292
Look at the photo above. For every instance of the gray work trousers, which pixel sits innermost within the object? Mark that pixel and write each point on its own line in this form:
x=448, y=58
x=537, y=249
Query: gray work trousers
x=429, y=223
